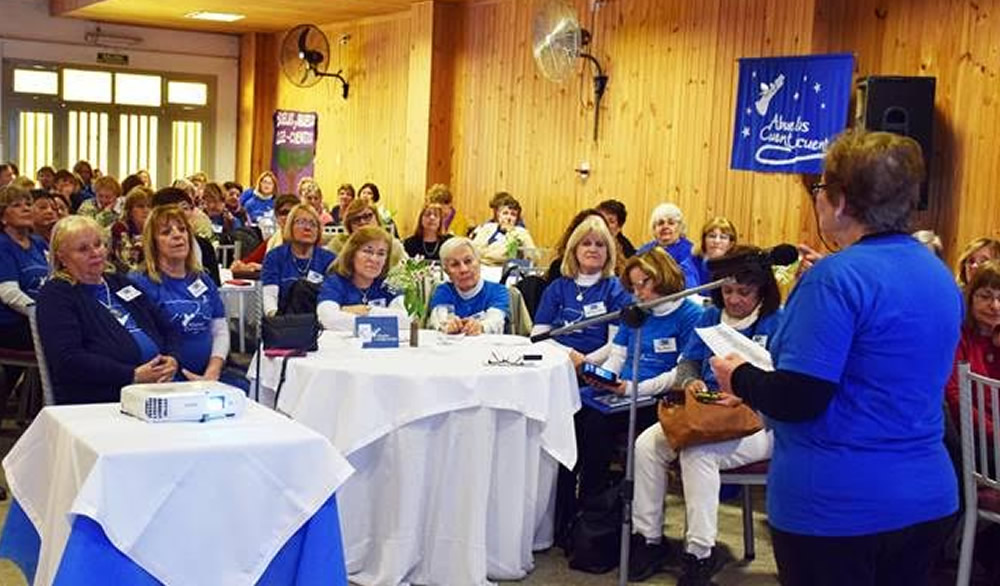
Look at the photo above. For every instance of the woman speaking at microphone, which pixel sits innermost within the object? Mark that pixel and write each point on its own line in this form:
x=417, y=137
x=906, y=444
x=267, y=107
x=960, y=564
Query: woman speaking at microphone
x=861, y=490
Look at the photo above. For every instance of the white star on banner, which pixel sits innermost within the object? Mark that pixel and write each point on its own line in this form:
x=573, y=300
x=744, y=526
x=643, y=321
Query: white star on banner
x=822, y=106
x=805, y=78
x=749, y=111
x=795, y=96
x=745, y=132
x=753, y=74
x=817, y=87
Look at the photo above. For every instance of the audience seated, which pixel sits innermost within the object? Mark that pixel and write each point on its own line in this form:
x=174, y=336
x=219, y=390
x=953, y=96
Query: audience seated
x=258, y=201
x=68, y=186
x=718, y=237
x=345, y=195
x=23, y=269
x=98, y=331
x=85, y=174
x=750, y=306
x=467, y=304
x=43, y=213
x=223, y=221
x=428, y=236
x=356, y=284
x=103, y=207
x=370, y=192
x=309, y=192
x=454, y=223
x=299, y=260
x=252, y=260
x=144, y=176
x=205, y=252
x=126, y=233
x=976, y=253
x=501, y=240
x=233, y=192
x=176, y=285
x=7, y=174
x=667, y=224
x=614, y=213
x=357, y=215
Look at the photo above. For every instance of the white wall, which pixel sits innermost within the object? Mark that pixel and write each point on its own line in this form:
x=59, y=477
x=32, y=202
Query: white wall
x=28, y=32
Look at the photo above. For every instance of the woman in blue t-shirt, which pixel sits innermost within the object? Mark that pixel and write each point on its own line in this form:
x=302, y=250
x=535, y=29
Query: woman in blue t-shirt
x=356, y=283
x=23, y=268
x=666, y=331
x=258, y=201
x=99, y=332
x=860, y=488
x=667, y=224
x=468, y=304
x=299, y=259
x=587, y=288
x=186, y=296
x=718, y=236
x=751, y=306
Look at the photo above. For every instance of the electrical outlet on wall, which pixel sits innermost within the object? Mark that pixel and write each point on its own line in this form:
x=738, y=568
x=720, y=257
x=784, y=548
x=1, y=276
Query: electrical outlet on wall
x=583, y=169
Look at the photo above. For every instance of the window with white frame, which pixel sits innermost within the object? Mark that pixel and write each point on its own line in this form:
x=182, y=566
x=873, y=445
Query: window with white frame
x=119, y=121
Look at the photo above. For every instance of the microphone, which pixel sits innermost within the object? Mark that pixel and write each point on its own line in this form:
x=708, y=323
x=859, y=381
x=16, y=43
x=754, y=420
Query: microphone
x=727, y=266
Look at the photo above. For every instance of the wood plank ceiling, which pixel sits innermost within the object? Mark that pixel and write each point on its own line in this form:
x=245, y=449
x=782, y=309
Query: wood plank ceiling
x=261, y=15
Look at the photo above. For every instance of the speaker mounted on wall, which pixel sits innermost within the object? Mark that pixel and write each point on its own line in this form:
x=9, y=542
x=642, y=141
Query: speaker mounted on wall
x=903, y=105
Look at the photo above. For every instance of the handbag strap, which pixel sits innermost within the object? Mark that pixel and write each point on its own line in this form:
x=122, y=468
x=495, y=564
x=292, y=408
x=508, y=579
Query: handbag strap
x=281, y=380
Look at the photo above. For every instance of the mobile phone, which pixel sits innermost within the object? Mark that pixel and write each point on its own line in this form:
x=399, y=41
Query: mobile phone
x=601, y=374
x=707, y=396
x=283, y=352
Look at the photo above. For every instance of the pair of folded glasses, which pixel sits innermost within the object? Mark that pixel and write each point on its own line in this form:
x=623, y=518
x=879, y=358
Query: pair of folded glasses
x=518, y=360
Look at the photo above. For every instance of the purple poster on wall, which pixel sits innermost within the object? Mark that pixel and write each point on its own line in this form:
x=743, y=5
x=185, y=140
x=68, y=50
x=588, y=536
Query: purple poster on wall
x=294, y=148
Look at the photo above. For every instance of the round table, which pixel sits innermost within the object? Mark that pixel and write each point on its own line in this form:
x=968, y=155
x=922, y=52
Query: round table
x=456, y=458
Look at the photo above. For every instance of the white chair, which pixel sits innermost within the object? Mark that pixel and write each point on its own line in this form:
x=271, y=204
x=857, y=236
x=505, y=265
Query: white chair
x=43, y=368
x=980, y=476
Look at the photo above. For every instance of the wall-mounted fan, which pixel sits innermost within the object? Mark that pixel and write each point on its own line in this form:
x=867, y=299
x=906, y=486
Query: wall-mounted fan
x=305, y=57
x=558, y=42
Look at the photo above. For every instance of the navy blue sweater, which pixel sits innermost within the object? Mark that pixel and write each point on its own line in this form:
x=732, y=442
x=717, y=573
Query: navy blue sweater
x=90, y=355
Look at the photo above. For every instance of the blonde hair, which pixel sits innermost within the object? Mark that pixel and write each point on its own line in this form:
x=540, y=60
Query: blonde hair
x=570, y=267
x=67, y=228
x=722, y=225
x=344, y=265
x=972, y=248
x=161, y=216
x=308, y=185
x=298, y=210
x=274, y=180
x=659, y=266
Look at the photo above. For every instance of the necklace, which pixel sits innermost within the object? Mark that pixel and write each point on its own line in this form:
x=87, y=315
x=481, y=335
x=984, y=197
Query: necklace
x=116, y=313
x=580, y=291
x=433, y=250
x=303, y=269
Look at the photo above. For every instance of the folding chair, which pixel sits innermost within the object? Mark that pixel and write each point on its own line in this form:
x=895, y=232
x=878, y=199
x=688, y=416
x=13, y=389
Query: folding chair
x=980, y=468
x=48, y=398
x=228, y=253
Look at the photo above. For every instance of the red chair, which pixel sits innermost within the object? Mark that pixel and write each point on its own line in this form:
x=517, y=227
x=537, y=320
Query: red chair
x=754, y=474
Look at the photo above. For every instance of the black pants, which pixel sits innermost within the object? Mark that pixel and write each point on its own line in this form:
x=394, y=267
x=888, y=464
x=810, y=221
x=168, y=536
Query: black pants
x=596, y=440
x=894, y=558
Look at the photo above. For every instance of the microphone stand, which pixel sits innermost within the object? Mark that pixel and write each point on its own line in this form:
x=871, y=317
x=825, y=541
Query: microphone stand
x=634, y=317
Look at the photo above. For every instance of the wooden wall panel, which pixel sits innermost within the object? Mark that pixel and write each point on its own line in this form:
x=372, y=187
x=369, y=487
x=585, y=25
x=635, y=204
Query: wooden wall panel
x=362, y=138
x=666, y=120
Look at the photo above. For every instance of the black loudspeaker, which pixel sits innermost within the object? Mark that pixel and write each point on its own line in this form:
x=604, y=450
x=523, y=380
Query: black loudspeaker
x=904, y=105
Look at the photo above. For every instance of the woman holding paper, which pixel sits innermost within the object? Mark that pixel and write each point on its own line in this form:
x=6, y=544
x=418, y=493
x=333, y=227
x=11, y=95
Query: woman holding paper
x=751, y=306
x=356, y=283
x=861, y=489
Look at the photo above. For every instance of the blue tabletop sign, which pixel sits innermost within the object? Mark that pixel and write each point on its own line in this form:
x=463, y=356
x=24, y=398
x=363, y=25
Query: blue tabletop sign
x=377, y=332
x=788, y=109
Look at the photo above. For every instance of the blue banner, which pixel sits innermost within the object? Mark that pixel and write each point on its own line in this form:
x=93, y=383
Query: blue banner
x=788, y=109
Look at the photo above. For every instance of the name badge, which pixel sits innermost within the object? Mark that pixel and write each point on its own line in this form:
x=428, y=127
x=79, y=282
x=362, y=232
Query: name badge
x=217, y=228
x=663, y=345
x=761, y=339
x=376, y=303
x=594, y=309
x=314, y=277
x=128, y=293
x=197, y=289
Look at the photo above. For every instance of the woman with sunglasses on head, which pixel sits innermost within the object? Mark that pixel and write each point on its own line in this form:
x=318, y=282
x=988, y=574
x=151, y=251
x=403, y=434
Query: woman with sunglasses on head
x=299, y=259
x=359, y=214
x=356, y=283
x=861, y=359
x=751, y=306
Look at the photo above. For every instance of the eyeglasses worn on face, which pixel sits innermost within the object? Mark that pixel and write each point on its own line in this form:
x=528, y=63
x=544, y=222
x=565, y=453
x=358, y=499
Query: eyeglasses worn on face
x=305, y=223
x=373, y=252
x=815, y=188
x=986, y=297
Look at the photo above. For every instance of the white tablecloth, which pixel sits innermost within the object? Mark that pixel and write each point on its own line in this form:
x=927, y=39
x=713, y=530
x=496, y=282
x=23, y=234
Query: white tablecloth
x=456, y=460
x=227, y=493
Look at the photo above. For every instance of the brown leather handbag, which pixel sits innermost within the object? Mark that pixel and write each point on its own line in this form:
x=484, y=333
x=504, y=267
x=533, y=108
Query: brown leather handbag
x=691, y=422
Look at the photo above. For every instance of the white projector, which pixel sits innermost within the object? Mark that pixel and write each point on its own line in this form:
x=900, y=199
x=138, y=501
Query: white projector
x=182, y=401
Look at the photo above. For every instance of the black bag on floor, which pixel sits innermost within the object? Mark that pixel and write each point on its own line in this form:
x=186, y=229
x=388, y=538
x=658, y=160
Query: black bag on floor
x=594, y=542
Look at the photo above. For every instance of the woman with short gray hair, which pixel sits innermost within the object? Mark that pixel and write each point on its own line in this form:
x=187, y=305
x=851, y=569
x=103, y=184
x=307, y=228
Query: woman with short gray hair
x=467, y=304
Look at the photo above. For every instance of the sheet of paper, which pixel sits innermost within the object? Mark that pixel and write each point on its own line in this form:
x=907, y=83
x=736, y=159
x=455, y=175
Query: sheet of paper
x=724, y=340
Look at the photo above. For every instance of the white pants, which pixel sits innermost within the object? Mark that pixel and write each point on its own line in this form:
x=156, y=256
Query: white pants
x=700, y=466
